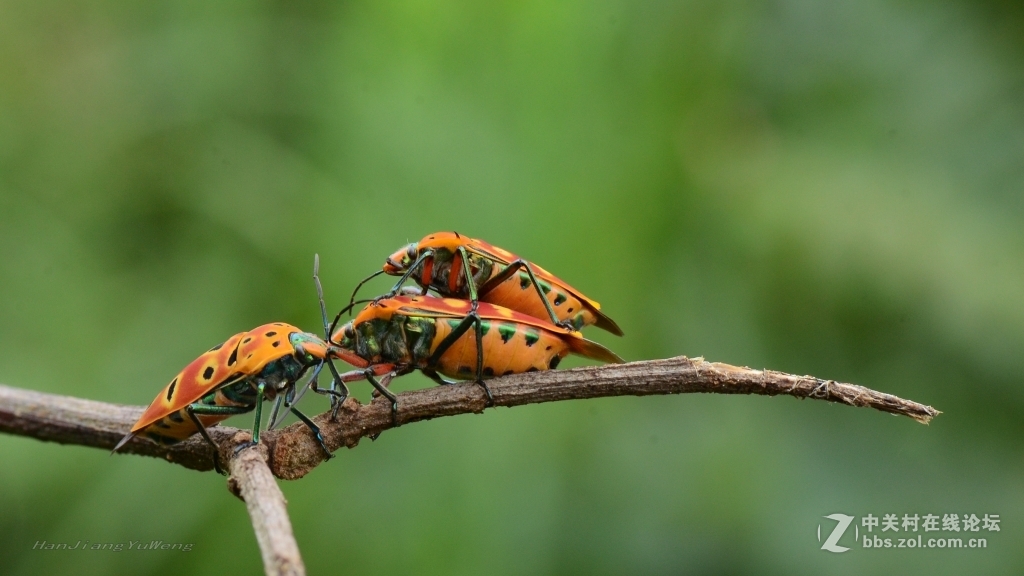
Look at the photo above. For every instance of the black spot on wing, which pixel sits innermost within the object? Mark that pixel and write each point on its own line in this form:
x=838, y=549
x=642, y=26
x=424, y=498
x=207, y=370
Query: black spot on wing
x=532, y=336
x=507, y=331
x=176, y=417
x=276, y=343
x=488, y=371
x=217, y=347
x=234, y=357
x=524, y=281
x=208, y=373
x=170, y=389
x=507, y=372
x=271, y=333
x=560, y=299
x=465, y=369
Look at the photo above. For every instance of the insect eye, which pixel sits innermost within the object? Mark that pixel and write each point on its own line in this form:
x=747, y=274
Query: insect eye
x=410, y=253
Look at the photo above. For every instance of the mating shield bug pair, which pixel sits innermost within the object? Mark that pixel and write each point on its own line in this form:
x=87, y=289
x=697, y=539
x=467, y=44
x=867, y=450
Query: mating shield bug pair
x=499, y=315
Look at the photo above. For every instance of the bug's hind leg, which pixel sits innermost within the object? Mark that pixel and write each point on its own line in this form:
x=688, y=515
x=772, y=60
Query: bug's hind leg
x=191, y=411
x=215, y=410
x=507, y=273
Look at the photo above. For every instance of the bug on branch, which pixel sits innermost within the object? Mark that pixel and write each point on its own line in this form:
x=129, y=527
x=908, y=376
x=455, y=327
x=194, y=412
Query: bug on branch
x=457, y=266
x=232, y=378
x=446, y=336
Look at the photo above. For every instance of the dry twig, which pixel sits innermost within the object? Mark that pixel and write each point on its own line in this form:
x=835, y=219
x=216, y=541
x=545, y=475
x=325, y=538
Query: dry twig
x=292, y=452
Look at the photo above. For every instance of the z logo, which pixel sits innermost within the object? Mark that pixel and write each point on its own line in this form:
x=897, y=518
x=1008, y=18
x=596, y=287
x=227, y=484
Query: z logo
x=832, y=542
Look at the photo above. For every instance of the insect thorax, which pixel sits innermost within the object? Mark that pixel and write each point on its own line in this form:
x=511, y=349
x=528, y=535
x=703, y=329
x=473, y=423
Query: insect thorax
x=279, y=373
x=401, y=339
x=441, y=274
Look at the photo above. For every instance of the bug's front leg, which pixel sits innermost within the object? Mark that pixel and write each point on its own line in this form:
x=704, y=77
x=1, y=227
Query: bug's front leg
x=315, y=429
x=337, y=397
x=418, y=264
x=370, y=374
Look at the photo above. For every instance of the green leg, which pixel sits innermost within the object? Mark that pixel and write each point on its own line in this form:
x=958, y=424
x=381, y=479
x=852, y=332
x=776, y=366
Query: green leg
x=408, y=273
x=512, y=269
x=367, y=375
x=337, y=398
x=384, y=392
x=315, y=429
x=259, y=414
x=290, y=398
x=470, y=284
x=471, y=319
x=194, y=409
x=287, y=400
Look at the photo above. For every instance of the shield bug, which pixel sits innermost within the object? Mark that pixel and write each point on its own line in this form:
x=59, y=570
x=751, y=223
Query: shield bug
x=457, y=266
x=454, y=338
x=234, y=377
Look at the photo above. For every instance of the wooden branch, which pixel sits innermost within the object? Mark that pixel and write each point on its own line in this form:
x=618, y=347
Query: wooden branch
x=252, y=481
x=293, y=451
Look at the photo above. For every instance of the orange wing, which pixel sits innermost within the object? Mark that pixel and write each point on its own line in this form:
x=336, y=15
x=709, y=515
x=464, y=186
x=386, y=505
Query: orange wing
x=454, y=308
x=215, y=367
x=244, y=354
x=263, y=345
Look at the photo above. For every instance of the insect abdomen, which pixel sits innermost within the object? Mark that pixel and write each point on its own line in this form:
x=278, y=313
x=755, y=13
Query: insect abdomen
x=519, y=294
x=177, y=426
x=509, y=348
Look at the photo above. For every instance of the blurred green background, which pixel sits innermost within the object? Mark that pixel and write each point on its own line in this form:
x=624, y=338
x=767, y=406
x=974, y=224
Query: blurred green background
x=827, y=188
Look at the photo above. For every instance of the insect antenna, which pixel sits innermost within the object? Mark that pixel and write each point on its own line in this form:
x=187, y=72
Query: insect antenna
x=346, y=309
x=352, y=300
x=320, y=294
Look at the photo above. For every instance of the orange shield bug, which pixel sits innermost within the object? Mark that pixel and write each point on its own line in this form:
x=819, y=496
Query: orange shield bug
x=457, y=266
x=234, y=377
x=397, y=335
